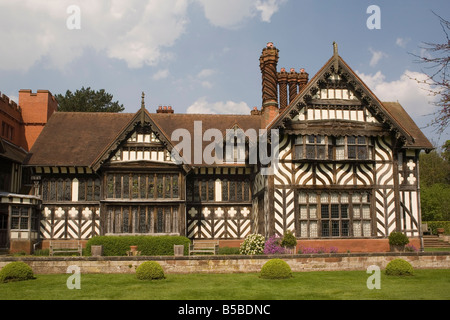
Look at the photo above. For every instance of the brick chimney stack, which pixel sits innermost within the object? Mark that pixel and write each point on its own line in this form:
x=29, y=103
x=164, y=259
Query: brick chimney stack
x=303, y=77
x=165, y=109
x=37, y=108
x=283, y=83
x=268, y=64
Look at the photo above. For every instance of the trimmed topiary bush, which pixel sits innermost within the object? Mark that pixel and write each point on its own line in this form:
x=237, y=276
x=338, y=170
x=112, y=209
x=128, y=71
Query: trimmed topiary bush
x=16, y=271
x=399, y=267
x=289, y=240
x=253, y=244
x=150, y=270
x=398, y=239
x=276, y=269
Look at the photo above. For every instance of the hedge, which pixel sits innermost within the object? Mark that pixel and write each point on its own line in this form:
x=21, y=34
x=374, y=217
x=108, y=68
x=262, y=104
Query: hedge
x=147, y=245
x=433, y=225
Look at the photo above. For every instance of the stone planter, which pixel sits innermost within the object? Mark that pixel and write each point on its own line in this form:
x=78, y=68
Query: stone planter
x=178, y=250
x=397, y=248
x=96, y=251
x=133, y=248
x=440, y=231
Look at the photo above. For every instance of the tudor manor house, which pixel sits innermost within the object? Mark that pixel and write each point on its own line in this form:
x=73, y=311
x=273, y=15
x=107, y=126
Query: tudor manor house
x=347, y=172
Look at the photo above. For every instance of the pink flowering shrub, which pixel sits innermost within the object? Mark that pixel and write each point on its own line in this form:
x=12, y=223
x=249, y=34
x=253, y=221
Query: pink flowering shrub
x=273, y=245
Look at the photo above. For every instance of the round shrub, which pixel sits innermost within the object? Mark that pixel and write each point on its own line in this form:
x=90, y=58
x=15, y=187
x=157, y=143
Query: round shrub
x=253, y=244
x=398, y=239
x=150, y=270
x=289, y=240
x=16, y=271
x=399, y=267
x=276, y=269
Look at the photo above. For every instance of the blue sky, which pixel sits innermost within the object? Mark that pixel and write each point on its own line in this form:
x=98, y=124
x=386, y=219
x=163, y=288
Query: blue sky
x=203, y=55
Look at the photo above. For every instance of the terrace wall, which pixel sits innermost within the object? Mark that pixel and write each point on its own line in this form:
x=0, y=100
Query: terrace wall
x=232, y=264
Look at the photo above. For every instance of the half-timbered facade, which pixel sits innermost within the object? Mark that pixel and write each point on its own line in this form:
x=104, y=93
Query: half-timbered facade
x=346, y=169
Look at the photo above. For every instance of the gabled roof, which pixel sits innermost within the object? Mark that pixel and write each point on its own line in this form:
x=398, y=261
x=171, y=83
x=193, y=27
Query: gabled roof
x=86, y=139
x=392, y=115
x=76, y=138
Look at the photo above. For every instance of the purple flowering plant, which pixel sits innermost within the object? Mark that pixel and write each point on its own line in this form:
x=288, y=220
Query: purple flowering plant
x=273, y=245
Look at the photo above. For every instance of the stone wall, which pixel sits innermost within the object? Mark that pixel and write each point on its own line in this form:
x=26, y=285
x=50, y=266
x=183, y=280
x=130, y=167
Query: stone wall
x=232, y=264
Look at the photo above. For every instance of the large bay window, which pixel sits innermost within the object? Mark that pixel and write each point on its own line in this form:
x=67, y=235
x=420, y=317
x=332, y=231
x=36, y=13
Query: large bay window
x=319, y=147
x=334, y=214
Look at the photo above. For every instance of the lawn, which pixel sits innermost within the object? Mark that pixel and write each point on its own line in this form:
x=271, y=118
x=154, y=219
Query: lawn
x=336, y=285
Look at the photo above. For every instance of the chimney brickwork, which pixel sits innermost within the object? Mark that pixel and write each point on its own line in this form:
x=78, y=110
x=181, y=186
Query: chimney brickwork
x=278, y=88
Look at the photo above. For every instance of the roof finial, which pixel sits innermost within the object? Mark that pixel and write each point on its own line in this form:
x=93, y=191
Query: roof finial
x=336, y=56
x=143, y=109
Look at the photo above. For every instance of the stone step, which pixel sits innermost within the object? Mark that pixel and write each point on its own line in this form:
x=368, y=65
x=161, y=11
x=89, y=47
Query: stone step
x=434, y=242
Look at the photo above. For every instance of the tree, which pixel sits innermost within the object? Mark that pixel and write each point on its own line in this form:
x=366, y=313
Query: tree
x=87, y=100
x=437, y=58
x=435, y=184
x=433, y=169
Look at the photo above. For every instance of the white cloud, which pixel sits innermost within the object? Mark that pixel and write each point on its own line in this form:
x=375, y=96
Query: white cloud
x=202, y=106
x=414, y=97
x=138, y=32
x=376, y=57
x=161, y=74
x=268, y=8
x=205, y=73
x=231, y=13
x=402, y=42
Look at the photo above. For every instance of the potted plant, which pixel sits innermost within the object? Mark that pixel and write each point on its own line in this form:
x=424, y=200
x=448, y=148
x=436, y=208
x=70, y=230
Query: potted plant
x=289, y=242
x=398, y=241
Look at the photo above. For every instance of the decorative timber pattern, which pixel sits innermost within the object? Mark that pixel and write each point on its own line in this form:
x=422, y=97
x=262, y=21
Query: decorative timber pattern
x=68, y=222
x=219, y=222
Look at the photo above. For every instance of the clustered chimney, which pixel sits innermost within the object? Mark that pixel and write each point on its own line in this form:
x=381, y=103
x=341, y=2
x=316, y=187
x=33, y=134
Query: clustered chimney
x=165, y=109
x=286, y=84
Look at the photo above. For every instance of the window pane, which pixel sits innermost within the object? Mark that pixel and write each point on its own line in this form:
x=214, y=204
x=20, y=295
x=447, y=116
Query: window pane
x=160, y=220
x=168, y=186
x=142, y=222
x=362, y=153
x=344, y=211
x=334, y=211
x=324, y=211
x=310, y=152
x=135, y=187
x=225, y=190
x=299, y=151
x=246, y=190
x=118, y=187
x=325, y=229
x=142, y=187
x=352, y=152
x=232, y=191
x=321, y=152
x=361, y=140
x=125, y=220
x=159, y=186
x=203, y=190
x=175, y=185
x=97, y=190
x=335, y=228
x=351, y=140
x=303, y=212
x=126, y=186
x=345, y=228
x=15, y=222
x=90, y=190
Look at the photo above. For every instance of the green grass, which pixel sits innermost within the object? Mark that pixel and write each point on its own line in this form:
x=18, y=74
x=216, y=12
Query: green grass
x=339, y=285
